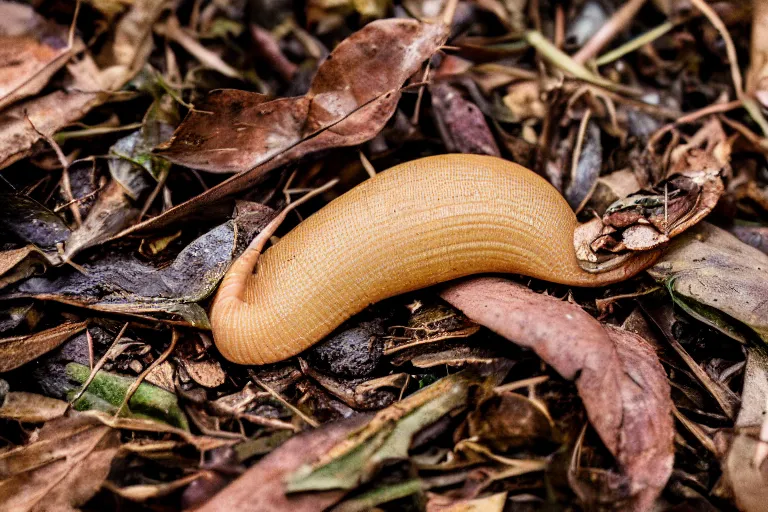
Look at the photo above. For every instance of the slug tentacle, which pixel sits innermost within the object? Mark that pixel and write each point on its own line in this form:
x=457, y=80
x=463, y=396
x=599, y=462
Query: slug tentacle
x=420, y=223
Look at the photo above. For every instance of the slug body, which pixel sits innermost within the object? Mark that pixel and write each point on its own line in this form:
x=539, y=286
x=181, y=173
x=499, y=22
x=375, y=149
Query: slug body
x=417, y=224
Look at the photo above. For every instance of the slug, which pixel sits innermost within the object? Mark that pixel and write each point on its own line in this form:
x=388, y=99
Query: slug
x=417, y=224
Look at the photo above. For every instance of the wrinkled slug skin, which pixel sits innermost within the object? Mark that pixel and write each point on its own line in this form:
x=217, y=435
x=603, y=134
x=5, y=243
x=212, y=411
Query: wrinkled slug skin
x=414, y=225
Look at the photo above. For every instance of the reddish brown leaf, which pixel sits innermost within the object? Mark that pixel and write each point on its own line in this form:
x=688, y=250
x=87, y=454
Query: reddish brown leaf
x=622, y=384
x=352, y=96
x=262, y=486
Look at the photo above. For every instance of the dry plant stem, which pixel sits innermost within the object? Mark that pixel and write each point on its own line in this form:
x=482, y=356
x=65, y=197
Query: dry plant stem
x=157, y=362
x=98, y=366
x=696, y=430
x=749, y=104
x=618, y=22
x=758, y=58
x=309, y=421
x=204, y=55
x=420, y=223
x=153, y=195
x=65, y=185
x=635, y=43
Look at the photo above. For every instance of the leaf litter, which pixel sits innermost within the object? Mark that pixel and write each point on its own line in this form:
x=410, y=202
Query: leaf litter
x=118, y=221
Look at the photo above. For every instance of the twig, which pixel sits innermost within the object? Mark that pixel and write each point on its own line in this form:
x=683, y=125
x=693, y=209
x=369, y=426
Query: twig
x=157, y=362
x=749, y=104
x=634, y=44
x=563, y=61
x=98, y=366
x=309, y=421
x=607, y=32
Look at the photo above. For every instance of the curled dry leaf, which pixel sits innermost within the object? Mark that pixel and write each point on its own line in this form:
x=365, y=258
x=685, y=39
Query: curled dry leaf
x=643, y=221
x=18, y=264
x=717, y=279
x=62, y=469
x=262, y=486
x=509, y=420
x=236, y=131
x=618, y=376
x=351, y=98
x=20, y=350
x=31, y=51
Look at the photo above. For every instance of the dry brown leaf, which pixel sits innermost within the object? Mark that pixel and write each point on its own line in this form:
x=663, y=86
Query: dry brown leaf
x=262, y=486
x=622, y=385
x=19, y=350
x=352, y=96
x=31, y=51
x=61, y=469
x=491, y=503
x=31, y=407
x=18, y=264
x=236, y=131
x=708, y=270
x=508, y=420
x=88, y=87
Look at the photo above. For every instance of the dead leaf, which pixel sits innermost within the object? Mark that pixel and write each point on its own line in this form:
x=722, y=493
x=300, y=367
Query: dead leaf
x=262, y=486
x=717, y=279
x=623, y=386
x=745, y=476
x=88, y=86
x=31, y=407
x=20, y=350
x=506, y=420
x=352, y=96
x=236, y=131
x=123, y=284
x=18, y=264
x=31, y=51
x=61, y=469
x=491, y=503
x=386, y=437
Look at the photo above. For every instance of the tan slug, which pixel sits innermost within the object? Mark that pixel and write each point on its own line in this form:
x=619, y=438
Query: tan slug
x=417, y=224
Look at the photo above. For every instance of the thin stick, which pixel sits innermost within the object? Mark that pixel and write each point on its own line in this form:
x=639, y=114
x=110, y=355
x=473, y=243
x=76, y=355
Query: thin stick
x=157, y=362
x=98, y=366
x=636, y=43
x=309, y=421
x=608, y=32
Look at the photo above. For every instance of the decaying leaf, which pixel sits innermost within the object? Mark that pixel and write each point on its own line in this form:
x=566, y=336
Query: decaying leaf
x=20, y=350
x=31, y=51
x=269, y=474
x=717, y=278
x=126, y=285
x=31, y=407
x=387, y=436
x=61, y=469
x=352, y=96
x=18, y=264
x=88, y=86
x=618, y=376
